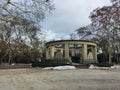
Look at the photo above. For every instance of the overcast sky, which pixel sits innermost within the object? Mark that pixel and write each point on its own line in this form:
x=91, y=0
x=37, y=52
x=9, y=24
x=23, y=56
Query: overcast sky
x=68, y=16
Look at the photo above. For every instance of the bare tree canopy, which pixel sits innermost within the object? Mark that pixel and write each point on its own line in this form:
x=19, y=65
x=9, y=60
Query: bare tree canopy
x=105, y=26
x=20, y=32
x=33, y=10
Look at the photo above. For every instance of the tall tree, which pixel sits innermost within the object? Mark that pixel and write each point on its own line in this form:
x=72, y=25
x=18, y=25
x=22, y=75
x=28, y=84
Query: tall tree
x=34, y=10
x=106, y=21
x=106, y=26
x=84, y=32
x=20, y=21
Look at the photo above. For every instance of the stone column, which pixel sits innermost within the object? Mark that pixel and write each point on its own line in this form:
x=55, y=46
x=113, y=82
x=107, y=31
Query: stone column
x=73, y=52
x=66, y=49
x=95, y=53
x=61, y=50
x=52, y=52
x=84, y=52
x=47, y=54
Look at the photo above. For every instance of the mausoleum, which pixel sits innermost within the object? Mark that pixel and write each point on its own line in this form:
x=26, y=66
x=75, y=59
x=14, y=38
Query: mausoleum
x=72, y=50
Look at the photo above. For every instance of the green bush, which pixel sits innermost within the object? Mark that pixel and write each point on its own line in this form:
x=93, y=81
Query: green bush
x=50, y=63
x=102, y=64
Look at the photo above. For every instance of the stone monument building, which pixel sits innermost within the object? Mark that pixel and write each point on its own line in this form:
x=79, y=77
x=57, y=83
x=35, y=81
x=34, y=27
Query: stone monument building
x=86, y=51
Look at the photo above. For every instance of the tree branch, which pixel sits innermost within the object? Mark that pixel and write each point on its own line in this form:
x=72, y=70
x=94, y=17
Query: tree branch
x=3, y=7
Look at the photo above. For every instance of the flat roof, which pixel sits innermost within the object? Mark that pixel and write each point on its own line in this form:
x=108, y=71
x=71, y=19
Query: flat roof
x=70, y=41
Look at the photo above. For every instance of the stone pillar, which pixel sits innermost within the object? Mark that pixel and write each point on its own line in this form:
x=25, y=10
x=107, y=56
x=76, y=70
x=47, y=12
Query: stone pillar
x=84, y=52
x=52, y=49
x=47, y=54
x=61, y=50
x=95, y=53
x=66, y=48
x=73, y=52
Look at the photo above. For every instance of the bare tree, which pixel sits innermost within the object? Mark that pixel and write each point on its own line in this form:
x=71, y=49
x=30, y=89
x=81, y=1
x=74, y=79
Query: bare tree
x=19, y=21
x=105, y=26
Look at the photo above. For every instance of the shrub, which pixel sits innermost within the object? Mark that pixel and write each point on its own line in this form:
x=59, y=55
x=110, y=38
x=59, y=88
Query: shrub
x=102, y=64
x=50, y=63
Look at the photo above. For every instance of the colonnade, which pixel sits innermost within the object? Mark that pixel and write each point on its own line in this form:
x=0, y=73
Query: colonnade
x=65, y=50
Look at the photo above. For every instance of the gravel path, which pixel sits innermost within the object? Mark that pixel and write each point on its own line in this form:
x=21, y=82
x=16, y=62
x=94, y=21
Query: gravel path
x=39, y=79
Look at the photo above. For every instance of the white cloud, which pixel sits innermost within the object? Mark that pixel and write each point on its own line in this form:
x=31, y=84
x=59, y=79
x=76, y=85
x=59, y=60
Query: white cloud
x=70, y=15
x=50, y=35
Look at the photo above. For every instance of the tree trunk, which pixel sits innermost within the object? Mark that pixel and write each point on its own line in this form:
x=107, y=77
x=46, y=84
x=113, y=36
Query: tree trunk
x=109, y=54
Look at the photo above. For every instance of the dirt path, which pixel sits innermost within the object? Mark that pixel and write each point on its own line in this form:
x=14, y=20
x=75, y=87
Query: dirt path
x=38, y=79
